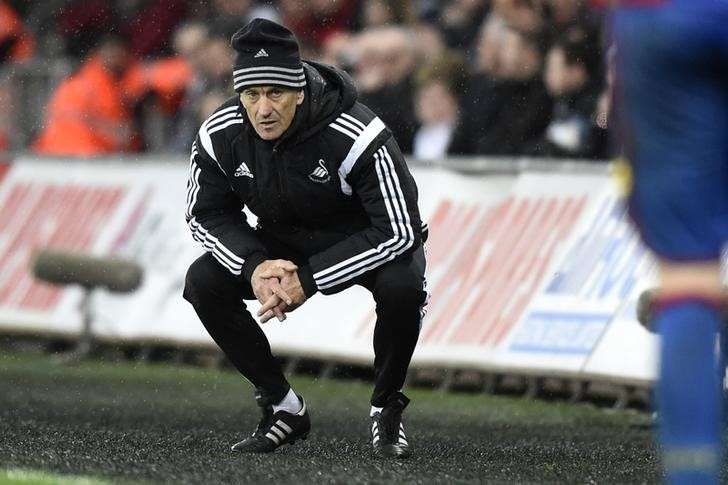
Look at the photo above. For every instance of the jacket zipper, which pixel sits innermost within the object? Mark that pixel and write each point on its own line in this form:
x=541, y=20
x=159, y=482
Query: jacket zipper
x=285, y=204
x=279, y=169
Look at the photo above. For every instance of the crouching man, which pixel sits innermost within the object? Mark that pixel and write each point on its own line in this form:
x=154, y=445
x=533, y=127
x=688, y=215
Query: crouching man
x=336, y=207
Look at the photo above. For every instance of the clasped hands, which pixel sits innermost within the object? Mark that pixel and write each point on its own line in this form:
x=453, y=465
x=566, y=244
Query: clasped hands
x=277, y=287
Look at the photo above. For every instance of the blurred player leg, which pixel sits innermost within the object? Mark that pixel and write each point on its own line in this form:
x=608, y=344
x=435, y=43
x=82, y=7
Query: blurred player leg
x=672, y=65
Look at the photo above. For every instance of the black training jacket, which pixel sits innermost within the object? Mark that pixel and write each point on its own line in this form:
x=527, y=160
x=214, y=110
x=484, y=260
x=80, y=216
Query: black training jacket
x=334, y=188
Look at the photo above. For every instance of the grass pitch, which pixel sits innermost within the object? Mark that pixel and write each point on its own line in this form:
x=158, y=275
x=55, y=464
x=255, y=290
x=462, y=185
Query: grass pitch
x=30, y=477
x=134, y=422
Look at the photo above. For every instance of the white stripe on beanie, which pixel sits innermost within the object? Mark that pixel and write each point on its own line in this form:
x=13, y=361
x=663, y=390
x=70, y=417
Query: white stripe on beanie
x=268, y=75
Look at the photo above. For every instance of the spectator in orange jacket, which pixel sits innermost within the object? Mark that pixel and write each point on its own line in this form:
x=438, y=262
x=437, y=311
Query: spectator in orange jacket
x=16, y=42
x=91, y=112
x=16, y=45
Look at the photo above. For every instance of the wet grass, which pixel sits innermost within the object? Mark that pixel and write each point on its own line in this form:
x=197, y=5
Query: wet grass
x=166, y=423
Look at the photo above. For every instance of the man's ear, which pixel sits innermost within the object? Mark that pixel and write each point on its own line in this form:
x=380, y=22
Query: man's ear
x=299, y=97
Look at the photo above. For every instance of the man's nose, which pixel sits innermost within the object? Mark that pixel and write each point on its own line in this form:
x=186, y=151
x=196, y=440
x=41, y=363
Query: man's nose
x=265, y=107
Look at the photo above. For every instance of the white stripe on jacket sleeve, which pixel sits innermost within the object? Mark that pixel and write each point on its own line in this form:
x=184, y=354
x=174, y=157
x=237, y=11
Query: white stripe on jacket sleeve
x=212, y=122
x=222, y=253
x=401, y=240
x=362, y=142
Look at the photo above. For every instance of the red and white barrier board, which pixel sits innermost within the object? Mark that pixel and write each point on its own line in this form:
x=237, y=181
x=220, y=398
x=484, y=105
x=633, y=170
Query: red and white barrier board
x=536, y=272
x=59, y=206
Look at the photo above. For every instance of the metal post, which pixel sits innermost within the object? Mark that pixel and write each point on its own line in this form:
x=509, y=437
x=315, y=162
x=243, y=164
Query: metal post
x=86, y=341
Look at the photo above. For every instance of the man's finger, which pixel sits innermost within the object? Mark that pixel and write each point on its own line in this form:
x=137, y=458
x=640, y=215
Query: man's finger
x=278, y=290
x=267, y=316
x=273, y=272
x=279, y=314
x=265, y=294
x=261, y=289
x=270, y=304
x=286, y=265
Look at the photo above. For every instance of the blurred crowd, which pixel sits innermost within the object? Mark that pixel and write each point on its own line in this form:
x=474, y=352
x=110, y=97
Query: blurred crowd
x=449, y=77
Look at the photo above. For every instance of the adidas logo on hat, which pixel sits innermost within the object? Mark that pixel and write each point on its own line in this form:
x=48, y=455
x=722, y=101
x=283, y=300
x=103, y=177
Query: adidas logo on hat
x=261, y=53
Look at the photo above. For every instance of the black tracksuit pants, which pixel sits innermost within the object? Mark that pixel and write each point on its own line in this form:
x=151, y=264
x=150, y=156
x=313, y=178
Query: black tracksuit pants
x=398, y=291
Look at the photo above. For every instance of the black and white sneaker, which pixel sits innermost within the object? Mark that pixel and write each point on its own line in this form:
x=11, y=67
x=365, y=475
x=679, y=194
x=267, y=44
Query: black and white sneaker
x=276, y=429
x=387, y=431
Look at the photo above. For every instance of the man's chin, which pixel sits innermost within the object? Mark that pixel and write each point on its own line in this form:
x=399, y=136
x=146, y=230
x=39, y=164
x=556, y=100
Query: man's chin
x=268, y=135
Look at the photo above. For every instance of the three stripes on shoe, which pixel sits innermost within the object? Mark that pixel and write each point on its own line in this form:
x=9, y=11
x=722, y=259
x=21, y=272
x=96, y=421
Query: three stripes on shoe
x=401, y=439
x=278, y=432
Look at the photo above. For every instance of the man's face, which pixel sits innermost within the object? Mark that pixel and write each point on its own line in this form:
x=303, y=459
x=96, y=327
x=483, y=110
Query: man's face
x=434, y=103
x=270, y=109
x=519, y=60
x=115, y=57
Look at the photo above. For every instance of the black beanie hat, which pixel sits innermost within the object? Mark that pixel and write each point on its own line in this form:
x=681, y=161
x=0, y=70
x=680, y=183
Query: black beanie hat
x=266, y=54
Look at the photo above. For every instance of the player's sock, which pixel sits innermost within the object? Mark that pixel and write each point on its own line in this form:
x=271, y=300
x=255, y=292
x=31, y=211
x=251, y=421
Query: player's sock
x=290, y=403
x=689, y=391
x=375, y=410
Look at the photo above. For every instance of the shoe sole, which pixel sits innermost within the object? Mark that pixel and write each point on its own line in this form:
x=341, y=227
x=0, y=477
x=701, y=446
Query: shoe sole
x=392, y=452
x=303, y=437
